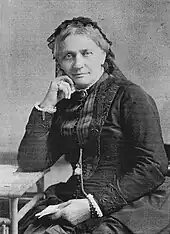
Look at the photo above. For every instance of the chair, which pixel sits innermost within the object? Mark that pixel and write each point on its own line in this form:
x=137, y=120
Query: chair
x=13, y=185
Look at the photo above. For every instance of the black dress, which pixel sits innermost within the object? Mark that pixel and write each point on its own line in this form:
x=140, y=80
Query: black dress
x=116, y=125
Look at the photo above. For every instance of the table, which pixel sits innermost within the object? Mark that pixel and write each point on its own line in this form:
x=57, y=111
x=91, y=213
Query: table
x=13, y=185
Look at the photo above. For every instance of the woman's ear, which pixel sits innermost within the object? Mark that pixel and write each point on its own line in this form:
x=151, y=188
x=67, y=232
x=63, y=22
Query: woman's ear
x=103, y=57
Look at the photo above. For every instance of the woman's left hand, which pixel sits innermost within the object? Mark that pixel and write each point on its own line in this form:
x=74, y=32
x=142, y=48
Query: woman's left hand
x=76, y=211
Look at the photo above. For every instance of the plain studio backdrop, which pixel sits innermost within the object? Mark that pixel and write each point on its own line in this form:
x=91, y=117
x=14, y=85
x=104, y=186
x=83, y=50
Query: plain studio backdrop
x=139, y=29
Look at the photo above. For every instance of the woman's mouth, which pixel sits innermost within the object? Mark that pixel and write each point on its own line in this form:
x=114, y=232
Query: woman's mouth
x=79, y=75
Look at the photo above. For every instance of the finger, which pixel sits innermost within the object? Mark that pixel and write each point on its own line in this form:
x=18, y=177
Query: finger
x=45, y=213
x=38, y=214
x=52, y=209
x=69, y=81
x=65, y=87
x=47, y=210
x=64, y=90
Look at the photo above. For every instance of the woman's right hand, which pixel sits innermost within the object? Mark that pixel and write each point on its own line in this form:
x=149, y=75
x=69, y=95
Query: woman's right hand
x=60, y=88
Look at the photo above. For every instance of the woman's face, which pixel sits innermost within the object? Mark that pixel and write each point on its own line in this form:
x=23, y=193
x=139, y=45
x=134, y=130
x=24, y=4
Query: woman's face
x=81, y=59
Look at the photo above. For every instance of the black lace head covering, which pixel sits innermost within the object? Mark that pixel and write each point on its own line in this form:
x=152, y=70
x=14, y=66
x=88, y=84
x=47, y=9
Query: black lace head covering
x=109, y=65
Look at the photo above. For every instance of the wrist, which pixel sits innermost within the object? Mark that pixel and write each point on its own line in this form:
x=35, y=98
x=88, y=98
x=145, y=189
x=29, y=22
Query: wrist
x=86, y=204
x=86, y=207
x=45, y=108
x=44, y=105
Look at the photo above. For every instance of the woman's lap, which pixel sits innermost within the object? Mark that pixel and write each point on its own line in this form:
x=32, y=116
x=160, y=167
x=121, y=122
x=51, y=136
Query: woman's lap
x=142, y=213
x=104, y=228
x=30, y=224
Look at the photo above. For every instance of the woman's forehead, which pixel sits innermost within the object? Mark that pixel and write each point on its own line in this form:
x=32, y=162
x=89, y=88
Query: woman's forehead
x=78, y=42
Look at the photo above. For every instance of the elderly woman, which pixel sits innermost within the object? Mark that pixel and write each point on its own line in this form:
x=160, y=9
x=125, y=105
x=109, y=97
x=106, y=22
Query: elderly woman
x=108, y=129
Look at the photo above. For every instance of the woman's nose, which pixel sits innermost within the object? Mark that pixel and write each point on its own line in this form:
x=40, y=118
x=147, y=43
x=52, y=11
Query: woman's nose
x=78, y=63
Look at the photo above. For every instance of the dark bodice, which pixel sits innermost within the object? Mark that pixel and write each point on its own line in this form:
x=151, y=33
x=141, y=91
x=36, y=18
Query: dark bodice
x=117, y=127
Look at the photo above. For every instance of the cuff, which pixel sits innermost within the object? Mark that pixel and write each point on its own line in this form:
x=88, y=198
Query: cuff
x=107, y=196
x=44, y=110
x=40, y=119
x=94, y=205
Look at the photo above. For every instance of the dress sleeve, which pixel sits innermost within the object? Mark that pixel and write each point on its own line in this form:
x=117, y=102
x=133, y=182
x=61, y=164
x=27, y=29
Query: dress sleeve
x=142, y=131
x=33, y=152
x=140, y=124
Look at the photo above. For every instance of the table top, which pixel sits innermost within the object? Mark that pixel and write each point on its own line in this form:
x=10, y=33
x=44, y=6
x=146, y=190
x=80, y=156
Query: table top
x=15, y=184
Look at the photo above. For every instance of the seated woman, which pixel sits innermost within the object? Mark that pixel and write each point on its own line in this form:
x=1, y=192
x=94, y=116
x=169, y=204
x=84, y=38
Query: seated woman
x=108, y=129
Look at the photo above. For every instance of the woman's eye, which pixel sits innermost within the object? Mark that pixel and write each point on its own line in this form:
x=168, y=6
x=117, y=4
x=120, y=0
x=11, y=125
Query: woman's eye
x=68, y=56
x=87, y=53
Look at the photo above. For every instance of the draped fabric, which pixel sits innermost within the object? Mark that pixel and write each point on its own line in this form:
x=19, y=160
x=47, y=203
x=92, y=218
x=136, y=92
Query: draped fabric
x=117, y=125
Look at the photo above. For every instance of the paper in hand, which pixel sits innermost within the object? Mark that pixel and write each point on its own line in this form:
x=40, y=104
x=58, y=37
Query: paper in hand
x=48, y=210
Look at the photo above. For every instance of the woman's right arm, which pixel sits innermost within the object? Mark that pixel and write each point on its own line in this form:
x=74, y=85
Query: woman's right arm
x=34, y=151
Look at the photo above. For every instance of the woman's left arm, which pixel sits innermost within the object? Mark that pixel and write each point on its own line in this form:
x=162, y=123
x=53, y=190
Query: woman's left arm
x=142, y=133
